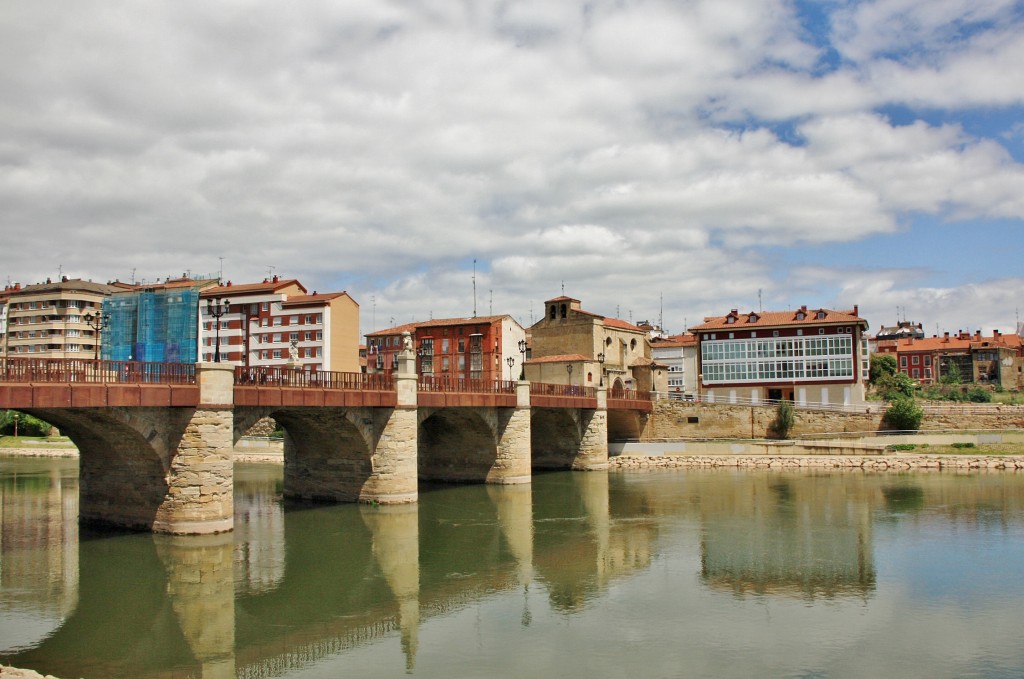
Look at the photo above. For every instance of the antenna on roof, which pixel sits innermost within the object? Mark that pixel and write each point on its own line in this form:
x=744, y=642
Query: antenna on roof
x=474, y=288
x=563, y=287
x=220, y=274
x=490, y=307
x=373, y=316
x=60, y=271
x=760, y=304
x=661, y=312
x=133, y=276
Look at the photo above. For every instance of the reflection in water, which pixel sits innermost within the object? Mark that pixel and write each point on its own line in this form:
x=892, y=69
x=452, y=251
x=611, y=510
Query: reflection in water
x=491, y=573
x=771, y=534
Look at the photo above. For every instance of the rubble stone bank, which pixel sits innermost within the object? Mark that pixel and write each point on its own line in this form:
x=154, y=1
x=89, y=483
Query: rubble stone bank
x=902, y=462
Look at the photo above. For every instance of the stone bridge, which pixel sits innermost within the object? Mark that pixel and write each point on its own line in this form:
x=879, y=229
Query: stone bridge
x=156, y=440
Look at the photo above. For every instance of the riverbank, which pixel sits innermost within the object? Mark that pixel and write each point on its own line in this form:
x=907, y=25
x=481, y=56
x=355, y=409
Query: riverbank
x=15, y=673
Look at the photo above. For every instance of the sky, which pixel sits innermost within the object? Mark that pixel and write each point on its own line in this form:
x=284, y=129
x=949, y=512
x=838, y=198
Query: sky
x=657, y=160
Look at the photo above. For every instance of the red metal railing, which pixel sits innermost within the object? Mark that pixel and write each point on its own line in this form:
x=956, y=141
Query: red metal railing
x=572, y=390
x=630, y=394
x=465, y=386
x=279, y=376
x=95, y=372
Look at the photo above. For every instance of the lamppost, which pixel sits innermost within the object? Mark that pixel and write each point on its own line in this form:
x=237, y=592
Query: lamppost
x=522, y=351
x=97, y=323
x=16, y=418
x=510, y=362
x=216, y=309
x=600, y=359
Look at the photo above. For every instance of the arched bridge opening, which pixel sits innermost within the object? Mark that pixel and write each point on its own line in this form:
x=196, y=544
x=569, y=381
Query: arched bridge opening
x=327, y=451
x=555, y=438
x=126, y=461
x=457, y=445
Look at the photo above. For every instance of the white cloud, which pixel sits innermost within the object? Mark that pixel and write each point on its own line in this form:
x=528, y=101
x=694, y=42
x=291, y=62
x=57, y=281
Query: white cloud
x=613, y=145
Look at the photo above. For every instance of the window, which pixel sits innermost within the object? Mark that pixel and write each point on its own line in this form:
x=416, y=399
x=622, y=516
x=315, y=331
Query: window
x=927, y=360
x=309, y=336
x=309, y=319
x=277, y=353
x=293, y=337
x=462, y=343
x=917, y=372
x=319, y=335
x=903, y=361
x=915, y=360
x=445, y=346
x=293, y=320
x=265, y=306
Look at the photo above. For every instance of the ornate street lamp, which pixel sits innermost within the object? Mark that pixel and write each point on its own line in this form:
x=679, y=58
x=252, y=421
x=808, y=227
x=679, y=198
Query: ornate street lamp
x=510, y=362
x=97, y=323
x=16, y=418
x=600, y=359
x=216, y=309
x=522, y=351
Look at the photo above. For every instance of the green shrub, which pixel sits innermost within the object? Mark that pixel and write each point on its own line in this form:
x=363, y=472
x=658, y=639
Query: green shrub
x=892, y=387
x=963, y=445
x=901, y=446
x=784, y=420
x=882, y=365
x=904, y=415
x=979, y=395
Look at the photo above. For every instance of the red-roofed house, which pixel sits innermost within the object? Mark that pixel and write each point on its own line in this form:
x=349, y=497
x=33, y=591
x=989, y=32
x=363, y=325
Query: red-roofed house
x=612, y=350
x=998, y=359
x=479, y=347
x=265, y=320
x=805, y=355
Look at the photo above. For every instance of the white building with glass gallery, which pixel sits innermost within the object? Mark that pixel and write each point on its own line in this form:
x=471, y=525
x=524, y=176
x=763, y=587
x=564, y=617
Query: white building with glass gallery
x=816, y=356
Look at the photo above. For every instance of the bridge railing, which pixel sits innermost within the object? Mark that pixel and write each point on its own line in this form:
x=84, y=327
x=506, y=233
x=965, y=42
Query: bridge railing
x=571, y=390
x=91, y=371
x=465, y=386
x=280, y=376
x=630, y=394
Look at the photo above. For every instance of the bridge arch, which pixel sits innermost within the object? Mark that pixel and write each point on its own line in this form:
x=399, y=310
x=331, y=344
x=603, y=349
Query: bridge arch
x=127, y=461
x=457, y=444
x=555, y=438
x=328, y=452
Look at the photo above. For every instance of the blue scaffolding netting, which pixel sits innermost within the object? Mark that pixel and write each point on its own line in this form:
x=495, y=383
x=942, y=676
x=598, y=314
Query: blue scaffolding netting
x=158, y=326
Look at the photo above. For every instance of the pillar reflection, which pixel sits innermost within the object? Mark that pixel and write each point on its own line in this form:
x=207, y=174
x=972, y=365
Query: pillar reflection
x=395, y=533
x=200, y=585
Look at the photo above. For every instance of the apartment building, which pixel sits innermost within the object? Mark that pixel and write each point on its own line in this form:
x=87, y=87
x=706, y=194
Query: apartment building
x=52, y=319
x=480, y=347
x=278, y=322
x=678, y=353
x=804, y=355
x=997, y=359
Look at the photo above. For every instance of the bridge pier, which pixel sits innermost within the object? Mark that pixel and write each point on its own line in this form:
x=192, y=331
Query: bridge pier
x=512, y=463
x=593, y=451
x=393, y=478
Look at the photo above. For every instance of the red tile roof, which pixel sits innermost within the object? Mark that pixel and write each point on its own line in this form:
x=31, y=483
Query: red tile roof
x=685, y=340
x=562, y=358
x=438, y=323
x=777, y=319
x=315, y=298
x=243, y=288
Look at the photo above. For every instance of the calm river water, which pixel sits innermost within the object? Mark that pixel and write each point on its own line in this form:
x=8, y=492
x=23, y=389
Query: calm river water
x=638, y=574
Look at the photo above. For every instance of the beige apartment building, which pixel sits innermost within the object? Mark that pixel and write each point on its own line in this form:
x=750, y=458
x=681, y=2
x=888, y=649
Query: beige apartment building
x=51, y=319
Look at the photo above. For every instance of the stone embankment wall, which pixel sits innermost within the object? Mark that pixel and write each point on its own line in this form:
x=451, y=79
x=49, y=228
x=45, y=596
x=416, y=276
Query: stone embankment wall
x=869, y=463
x=682, y=419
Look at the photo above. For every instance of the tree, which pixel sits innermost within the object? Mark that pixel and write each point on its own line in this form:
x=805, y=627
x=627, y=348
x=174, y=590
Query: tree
x=27, y=425
x=783, y=422
x=897, y=385
x=903, y=415
x=881, y=366
x=952, y=374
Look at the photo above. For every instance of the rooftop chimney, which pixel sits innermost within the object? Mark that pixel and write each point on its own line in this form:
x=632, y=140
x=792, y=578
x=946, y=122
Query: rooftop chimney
x=275, y=278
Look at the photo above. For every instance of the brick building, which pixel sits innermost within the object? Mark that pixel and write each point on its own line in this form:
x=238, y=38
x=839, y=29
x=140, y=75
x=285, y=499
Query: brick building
x=455, y=348
x=804, y=355
x=266, y=321
x=997, y=359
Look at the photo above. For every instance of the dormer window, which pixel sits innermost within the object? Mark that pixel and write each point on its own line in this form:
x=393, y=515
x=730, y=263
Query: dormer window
x=752, y=318
x=730, y=319
x=800, y=315
x=821, y=315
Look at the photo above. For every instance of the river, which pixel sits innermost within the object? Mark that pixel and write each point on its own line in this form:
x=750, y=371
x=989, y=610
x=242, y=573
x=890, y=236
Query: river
x=669, y=573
